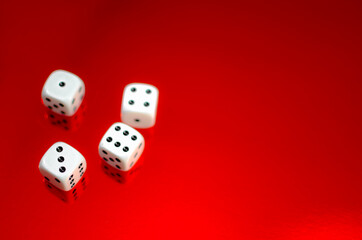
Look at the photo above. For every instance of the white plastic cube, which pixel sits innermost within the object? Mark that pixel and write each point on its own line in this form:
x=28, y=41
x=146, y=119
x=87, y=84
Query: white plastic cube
x=63, y=166
x=121, y=146
x=63, y=92
x=139, y=105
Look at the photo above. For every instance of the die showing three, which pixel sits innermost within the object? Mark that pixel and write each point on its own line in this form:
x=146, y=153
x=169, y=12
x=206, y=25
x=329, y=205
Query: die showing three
x=63, y=166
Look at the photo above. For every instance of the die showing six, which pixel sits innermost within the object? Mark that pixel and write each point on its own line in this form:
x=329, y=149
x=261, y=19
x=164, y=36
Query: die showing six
x=121, y=146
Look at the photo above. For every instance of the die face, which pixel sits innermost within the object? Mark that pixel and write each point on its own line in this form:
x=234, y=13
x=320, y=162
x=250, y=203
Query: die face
x=62, y=165
x=121, y=146
x=139, y=105
x=63, y=92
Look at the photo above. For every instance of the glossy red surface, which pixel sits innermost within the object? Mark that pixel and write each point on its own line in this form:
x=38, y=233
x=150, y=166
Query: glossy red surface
x=258, y=134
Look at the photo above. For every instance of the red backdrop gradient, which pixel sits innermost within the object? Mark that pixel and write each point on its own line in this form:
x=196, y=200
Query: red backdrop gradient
x=258, y=134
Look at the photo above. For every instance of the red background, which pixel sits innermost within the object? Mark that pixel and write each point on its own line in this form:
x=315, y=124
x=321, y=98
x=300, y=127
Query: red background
x=258, y=133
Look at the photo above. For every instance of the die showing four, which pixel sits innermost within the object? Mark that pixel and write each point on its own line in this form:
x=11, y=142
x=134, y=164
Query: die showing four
x=139, y=105
x=121, y=146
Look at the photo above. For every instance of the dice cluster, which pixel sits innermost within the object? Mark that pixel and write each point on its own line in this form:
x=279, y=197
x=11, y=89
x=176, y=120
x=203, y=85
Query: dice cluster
x=122, y=145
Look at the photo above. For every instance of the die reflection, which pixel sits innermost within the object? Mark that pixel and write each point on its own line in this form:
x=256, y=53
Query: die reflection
x=65, y=122
x=67, y=196
x=122, y=176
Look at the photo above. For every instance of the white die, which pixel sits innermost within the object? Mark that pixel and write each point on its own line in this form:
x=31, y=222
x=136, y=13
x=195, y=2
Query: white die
x=62, y=165
x=139, y=105
x=121, y=146
x=63, y=92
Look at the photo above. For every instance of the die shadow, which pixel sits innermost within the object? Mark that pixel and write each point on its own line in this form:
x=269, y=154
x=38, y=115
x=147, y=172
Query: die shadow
x=70, y=196
x=119, y=176
x=66, y=122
